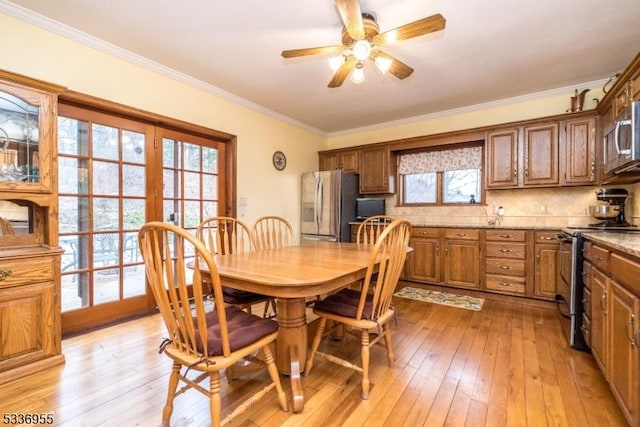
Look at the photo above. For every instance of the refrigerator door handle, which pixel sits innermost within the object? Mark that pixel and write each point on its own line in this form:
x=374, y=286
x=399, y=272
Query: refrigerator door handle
x=319, y=190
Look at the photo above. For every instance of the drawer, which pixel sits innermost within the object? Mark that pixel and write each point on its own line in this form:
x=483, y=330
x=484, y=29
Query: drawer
x=506, y=267
x=15, y=273
x=462, y=233
x=426, y=232
x=505, y=250
x=626, y=271
x=512, y=285
x=600, y=257
x=546, y=237
x=506, y=235
x=587, y=250
x=586, y=274
x=585, y=328
x=586, y=301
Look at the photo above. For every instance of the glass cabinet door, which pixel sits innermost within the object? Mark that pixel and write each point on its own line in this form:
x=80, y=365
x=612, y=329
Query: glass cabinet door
x=25, y=134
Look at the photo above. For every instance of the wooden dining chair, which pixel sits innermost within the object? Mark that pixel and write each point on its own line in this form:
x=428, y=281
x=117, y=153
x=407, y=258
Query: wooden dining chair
x=369, y=309
x=372, y=227
x=225, y=235
x=201, y=342
x=272, y=231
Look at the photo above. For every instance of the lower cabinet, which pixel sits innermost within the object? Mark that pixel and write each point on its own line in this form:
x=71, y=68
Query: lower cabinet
x=448, y=256
x=462, y=258
x=423, y=263
x=614, y=310
x=29, y=313
x=547, y=268
x=505, y=261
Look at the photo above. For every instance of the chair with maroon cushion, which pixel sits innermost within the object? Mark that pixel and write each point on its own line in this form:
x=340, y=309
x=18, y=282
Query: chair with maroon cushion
x=226, y=235
x=368, y=309
x=201, y=342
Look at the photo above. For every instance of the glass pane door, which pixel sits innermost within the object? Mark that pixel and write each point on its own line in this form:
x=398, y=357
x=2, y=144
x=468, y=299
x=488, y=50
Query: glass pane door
x=190, y=181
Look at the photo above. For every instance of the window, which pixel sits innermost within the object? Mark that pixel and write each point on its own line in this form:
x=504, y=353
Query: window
x=449, y=176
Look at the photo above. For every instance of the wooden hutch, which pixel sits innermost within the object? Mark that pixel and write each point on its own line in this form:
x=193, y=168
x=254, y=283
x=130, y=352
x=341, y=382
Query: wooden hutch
x=30, y=329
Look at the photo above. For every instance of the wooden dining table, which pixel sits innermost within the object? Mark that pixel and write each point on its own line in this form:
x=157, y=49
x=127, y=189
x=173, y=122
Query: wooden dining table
x=292, y=275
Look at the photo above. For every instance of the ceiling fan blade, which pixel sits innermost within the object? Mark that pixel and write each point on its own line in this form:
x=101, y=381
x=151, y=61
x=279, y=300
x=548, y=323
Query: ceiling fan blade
x=397, y=68
x=293, y=53
x=342, y=73
x=420, y=27
x=351, y=17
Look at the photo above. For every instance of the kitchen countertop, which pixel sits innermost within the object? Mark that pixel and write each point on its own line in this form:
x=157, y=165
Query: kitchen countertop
x=628, y=243
x=482, y=226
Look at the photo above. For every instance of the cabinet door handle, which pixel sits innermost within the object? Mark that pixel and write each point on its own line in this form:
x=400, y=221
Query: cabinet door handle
x=505, y=284
x=598, y=258
x=461, y=234
x=603, y=302
x=505, y=267
x=547, y=238
x=505, y=251
x=5, y=274
x=424, y=233
x=630, y=324
x=506, y=236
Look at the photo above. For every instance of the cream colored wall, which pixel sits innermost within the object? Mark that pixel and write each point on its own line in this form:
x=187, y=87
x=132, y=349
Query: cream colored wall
x=40, y=54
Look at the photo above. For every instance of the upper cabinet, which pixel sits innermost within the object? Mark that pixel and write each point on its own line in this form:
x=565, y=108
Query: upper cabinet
x=27, y=137
x=343, y=160
x=523, y=156
x=546, y=154
x=580, y=149
x=377, y=170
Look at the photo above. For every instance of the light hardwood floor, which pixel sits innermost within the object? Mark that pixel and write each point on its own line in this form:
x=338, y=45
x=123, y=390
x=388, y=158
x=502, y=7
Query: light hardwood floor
x=507, y=365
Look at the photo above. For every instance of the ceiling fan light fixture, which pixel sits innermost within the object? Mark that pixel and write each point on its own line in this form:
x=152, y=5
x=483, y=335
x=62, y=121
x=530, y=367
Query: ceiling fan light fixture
x=357, y=75
x=336, y=62
x=361, y=49
x=383, y=64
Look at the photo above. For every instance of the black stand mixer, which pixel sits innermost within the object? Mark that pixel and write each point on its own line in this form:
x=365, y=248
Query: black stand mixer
x=612, y=213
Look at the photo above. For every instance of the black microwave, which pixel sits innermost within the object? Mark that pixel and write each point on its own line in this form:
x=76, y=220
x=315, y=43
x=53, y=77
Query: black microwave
x=622, y=143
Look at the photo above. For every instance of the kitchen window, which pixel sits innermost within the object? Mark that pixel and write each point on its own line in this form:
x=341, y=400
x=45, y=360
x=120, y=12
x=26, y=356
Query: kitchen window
x=441, y=177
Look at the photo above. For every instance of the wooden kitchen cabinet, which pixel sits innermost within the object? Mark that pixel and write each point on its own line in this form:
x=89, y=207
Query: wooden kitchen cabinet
x=580, y=142
x=502, y=158
x=30, y=313
x=377, y=170
x=540, y=145
x=347, y=161
x=505, y=261
x=423, y=263
x=624, y=366
x=547, y=268
x=523, y=156
x=614, y=305
x=461, y=257
x=599, y=318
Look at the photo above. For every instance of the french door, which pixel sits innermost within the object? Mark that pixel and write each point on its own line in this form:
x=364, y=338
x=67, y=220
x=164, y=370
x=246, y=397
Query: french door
x=114, y=175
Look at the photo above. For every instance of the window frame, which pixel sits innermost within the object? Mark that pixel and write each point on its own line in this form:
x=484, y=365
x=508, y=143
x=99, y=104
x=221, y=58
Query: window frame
x=439, y=178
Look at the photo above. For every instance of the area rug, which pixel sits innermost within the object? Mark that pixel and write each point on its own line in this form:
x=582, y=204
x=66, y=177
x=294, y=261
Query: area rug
x=453, y=300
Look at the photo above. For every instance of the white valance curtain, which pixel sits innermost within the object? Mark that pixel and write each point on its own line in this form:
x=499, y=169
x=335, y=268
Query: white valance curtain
x=441, y=160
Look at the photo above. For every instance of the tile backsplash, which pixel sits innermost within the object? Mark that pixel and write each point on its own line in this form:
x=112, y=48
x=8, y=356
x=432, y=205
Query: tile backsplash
x=536, y=207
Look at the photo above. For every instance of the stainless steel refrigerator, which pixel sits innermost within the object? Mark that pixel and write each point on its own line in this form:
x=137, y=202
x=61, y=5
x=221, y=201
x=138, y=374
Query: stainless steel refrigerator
x=328, y=205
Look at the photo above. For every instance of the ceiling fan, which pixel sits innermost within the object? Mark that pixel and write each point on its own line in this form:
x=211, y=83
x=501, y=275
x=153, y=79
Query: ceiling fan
x=362, y=40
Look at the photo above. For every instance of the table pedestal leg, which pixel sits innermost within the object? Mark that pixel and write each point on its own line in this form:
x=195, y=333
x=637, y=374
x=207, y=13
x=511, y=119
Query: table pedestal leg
x=291, y=345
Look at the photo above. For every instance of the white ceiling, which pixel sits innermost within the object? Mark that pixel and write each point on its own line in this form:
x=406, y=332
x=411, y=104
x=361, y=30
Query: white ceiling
x=490, y=50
